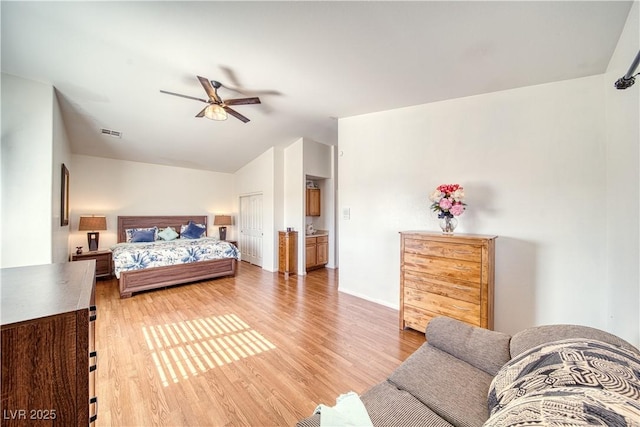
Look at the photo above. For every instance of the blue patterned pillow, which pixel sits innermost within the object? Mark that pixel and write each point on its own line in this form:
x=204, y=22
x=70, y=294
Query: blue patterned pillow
x=143, y=236
x=168, y=234
x=129, y=232
x=192, y=230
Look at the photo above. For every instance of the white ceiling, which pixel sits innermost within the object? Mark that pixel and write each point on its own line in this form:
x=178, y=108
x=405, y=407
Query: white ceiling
x=309, y=62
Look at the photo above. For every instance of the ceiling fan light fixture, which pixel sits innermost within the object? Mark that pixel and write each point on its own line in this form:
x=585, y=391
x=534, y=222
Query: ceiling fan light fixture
x=215, y=112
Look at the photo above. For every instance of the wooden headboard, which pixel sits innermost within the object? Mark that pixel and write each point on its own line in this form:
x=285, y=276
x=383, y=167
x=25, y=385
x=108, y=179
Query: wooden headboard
x=175, y=221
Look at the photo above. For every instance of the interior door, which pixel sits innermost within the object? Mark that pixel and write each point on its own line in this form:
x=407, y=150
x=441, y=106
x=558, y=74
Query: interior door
x=251, y=228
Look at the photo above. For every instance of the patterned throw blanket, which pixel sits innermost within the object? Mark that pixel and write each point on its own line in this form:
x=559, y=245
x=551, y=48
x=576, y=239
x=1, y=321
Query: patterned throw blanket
x=574, y=382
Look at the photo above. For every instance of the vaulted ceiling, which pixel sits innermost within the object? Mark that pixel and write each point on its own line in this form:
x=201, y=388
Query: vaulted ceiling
x=310, y=63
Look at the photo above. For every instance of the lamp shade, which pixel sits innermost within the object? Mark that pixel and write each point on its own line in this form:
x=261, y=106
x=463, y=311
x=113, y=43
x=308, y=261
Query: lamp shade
x=222, y=220
x=92, y=223
x=215, y=112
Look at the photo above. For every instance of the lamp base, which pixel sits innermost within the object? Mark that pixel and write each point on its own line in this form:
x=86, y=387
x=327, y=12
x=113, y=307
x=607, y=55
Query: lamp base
x=92, y=238
x=223, y=233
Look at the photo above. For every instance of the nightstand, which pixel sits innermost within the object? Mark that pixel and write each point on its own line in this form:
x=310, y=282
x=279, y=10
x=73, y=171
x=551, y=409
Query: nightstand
x=233, y=242
x=103, y=261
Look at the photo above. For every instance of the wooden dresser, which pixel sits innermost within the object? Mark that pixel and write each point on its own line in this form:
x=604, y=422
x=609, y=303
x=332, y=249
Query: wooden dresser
x=48, y=345
x=288, y=252
x=450, y=275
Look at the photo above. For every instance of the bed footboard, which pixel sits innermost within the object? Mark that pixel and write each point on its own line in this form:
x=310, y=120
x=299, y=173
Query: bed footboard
x=160, y=277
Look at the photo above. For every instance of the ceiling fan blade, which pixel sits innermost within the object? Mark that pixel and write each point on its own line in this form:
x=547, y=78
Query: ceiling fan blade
x=235, y=114
x=184, y=96
x=213, y=95
x=231, y=75
x=239, y=88
x=242, y=101
x=201, y=113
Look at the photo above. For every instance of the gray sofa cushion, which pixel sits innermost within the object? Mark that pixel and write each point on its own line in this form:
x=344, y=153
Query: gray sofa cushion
x=389, y=406
x=482, y=348
x=450, y=387
x=533, y=337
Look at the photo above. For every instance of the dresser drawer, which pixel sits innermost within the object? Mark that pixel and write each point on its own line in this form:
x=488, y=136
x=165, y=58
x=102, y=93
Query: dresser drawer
x=463, y=252
x=458, y=269
x=442, y=305
x=456, y=289
x=417, y=319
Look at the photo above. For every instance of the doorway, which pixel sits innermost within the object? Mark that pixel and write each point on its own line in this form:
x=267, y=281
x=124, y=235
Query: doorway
x=251, y=229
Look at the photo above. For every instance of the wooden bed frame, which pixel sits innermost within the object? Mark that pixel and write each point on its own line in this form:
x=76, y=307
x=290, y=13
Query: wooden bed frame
x=160, y=277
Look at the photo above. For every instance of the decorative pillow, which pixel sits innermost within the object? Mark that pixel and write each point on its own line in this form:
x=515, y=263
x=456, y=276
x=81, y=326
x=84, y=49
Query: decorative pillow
x=129, y=233
x=143, y=236
x=572, y=381
x=168, y=234
x=192, y=230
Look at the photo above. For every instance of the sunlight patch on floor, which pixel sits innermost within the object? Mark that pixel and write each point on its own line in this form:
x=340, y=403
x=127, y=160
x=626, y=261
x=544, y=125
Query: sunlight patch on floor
x=184, y=349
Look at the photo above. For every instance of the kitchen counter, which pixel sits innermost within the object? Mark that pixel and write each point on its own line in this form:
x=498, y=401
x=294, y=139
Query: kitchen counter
x=318, y=233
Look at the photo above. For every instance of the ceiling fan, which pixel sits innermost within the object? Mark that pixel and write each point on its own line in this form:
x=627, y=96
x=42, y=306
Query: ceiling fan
x=217, y=108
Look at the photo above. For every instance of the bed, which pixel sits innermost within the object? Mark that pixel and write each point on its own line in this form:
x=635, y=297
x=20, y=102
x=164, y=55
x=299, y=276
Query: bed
x=158, y=277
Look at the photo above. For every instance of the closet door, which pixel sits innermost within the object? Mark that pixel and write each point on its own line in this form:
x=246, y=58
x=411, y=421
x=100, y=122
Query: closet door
x=251, y=228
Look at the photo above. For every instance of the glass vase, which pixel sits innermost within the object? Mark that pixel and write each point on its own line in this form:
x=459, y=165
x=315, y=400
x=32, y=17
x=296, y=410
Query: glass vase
x=448, y=224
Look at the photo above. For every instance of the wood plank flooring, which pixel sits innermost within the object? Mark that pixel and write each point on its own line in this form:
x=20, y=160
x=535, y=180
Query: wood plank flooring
x=254, y=350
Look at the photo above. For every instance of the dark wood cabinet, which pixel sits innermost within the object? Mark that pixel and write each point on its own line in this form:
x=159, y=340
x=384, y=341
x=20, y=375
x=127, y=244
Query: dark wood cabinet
x=103, y=261
x=49, y=359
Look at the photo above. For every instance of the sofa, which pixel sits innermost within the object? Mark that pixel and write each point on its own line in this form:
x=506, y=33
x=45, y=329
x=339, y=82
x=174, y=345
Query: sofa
x=547, y=375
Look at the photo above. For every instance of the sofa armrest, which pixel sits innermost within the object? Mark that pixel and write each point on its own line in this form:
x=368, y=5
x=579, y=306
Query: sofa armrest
x=484, y=349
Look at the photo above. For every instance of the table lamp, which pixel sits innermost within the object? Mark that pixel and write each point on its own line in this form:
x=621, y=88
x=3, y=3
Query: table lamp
x=93, y=224
x=222, y=220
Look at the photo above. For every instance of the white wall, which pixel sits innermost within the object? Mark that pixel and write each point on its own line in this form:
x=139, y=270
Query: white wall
x=307, y=158
x=279, y=175
x=317, y=159
x=532, y=164
x=61, y=155
x=264, y=175
x=34, y=145
x=115, y=187
x=319, y=163
x=623, y=187
x=294, y=196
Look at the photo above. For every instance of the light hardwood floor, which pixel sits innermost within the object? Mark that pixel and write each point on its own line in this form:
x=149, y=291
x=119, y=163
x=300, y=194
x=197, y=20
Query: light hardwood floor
x=254, y=350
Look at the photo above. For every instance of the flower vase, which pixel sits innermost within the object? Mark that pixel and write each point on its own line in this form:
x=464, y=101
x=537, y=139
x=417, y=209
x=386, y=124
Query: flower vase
x=448, y=224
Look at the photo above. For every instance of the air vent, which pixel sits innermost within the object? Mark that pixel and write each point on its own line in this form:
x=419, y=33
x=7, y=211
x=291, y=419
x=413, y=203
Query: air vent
x=113, y=133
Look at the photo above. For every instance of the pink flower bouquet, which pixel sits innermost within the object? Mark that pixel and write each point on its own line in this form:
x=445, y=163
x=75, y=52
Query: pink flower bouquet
x=448, y=200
